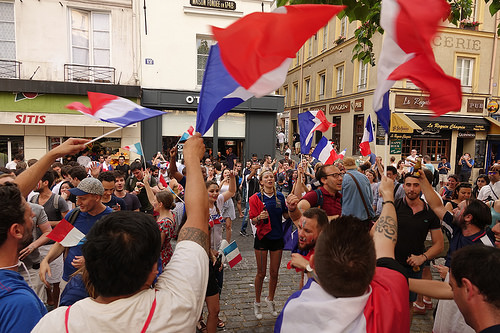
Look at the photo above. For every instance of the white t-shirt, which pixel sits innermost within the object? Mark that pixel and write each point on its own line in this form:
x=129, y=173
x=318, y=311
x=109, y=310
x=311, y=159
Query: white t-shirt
x=11, y=165
x=281, y=137
x=216, y=214
x=486, y=192
x=179, y=300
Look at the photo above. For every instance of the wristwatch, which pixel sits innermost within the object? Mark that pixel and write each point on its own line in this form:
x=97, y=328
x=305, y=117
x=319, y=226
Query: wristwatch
x=308, y=269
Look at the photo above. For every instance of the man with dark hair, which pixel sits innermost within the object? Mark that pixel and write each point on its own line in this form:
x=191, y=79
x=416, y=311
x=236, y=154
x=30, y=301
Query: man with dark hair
x=309, y=228
x=327, y=197
x=13, y=164
x=108, y=181
x=122, y=166
x=492, y=190
x=121, y=255
x=54, y=205
x=467, y=164
x=357, y=285
x=415, y=220
x=135, y=186
x=475, y=281
x=131, y=200
x=77, y=174
x=399, y=191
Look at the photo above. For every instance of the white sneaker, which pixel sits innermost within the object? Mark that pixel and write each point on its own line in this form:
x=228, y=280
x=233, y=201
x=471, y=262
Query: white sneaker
x=272, y=306
x=256, y=310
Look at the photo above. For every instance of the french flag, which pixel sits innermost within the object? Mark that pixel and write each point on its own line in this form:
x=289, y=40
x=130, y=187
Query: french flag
x=113, y=109
x=342, y=153
x=187, y=134
x=135, y=148
x=309, y=122
x=364, y=146
x=232, y=254
x=409, y=28
x=324, y=152
x=66, y=234
x=253, y=55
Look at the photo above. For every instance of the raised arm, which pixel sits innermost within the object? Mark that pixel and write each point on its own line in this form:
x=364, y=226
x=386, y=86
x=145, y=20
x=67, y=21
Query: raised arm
x=149, y=190
x=431, y=197
x=172, y=166
x=28, y=179
x=196, y=199
x=386, y=230
x=232, y=187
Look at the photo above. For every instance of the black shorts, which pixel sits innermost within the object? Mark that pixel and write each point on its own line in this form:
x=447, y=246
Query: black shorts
x=213, y=285
x=266, y=244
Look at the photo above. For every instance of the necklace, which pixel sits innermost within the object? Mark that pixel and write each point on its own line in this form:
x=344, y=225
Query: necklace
x=7, y=267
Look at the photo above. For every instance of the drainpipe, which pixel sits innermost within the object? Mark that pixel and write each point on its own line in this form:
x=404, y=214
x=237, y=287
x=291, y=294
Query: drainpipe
x=494, y=55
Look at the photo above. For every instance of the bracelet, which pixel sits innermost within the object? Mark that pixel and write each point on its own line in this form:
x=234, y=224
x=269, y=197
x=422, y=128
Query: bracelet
x=389, y=201
x=426, y=258
x=291, y=211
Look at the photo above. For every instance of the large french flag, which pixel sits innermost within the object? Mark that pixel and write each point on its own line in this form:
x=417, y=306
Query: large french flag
x=232, y=254
x=113, y=109
x=324, y=152
x=368, y=136
x=253, y=55
x=409, y=28
x=309, y=122
x=66, y=234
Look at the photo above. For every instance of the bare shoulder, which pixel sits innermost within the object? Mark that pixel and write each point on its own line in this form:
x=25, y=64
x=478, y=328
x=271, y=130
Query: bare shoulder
x=194, y=234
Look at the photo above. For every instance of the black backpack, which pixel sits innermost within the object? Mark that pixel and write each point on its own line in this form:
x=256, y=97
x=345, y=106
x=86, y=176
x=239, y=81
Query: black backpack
x=435, y=179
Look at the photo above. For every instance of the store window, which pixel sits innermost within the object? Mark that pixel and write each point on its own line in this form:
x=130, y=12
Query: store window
x=7, y=31
x=435, y=148
x=9, y=147
x=359, y=125
x=336, y=131
x=203, y=44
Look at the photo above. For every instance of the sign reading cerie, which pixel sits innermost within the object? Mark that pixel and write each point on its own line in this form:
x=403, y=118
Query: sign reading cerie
x=219, y=4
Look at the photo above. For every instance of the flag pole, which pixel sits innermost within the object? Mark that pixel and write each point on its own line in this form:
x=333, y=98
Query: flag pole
x=176, y=194
x=143, y=156
x=106, y=134
x=386, y=153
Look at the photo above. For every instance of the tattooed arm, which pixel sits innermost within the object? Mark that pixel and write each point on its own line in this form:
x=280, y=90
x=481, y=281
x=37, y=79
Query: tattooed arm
x=196, y=226
x=385, y=232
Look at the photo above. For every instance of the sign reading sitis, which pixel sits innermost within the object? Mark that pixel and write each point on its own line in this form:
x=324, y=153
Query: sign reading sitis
x=219, y=4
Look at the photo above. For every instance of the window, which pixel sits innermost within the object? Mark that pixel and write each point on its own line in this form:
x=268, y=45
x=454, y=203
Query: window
x=340, y=80
x=359, y=127
x=465, y=67
x=90, y=38
x=7, y=31
x=298, y=57
x=336, y=131
x=322, y=83
x=411, y=85
x=309, y=48
x=202, y=49
x=363, y=75
x=343, y=27
x=295, y=93
x=307, y=86
x=325, y=37
x=285, y=93
x=435, y=148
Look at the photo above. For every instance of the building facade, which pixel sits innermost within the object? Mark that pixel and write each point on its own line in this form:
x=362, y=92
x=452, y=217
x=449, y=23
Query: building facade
x=324, y=77
x=51, y=54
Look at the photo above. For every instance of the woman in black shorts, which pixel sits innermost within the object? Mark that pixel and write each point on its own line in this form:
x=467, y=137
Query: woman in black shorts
x=267, y=208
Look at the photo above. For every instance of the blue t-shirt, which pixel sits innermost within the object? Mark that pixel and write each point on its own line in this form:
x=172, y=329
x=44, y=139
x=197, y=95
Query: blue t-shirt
x=465, y=167
x=275, y=210
x=444, y=171
x=83, y=222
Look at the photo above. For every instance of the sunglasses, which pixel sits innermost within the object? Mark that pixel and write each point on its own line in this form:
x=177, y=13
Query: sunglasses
x=492, y=172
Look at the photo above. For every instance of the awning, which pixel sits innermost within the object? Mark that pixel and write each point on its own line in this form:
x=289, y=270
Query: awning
x=400, y=123
x=454, y=123
x=495, y=126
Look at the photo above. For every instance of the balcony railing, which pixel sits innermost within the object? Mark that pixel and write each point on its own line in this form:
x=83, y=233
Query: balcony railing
x=10, y=69
x=85, y=73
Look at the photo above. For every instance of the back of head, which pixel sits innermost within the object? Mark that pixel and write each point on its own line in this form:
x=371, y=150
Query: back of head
x=11, y=209
x=481, y=213
x=49, y=177
x=479, y=264
x=107, y=177
x=344, y=258
x=120, y=252
x=135, y=166
x=166, y=198
x=428, y=174
x=78, y=172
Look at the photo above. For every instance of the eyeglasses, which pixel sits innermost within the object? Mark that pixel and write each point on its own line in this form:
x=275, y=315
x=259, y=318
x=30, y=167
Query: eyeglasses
x=335, y=175
x=492, y=172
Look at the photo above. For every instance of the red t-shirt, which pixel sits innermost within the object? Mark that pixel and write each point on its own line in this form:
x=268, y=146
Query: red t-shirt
x=332, y=204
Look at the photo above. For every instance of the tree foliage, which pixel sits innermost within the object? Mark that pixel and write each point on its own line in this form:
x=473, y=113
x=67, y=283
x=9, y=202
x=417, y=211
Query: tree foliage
x=368, y=12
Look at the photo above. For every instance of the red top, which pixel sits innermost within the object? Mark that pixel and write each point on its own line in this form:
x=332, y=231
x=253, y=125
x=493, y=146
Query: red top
x=332, y=204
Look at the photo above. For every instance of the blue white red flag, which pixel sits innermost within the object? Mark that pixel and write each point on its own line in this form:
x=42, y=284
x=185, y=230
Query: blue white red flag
x=364, y=146
x=66, y=234
x=409, y=28
x=309, y=122
x=187, y=134
x=253, y=55
x=135, y=148
x=232, y=254
x=342, y=153
x=114, y=109
x=324, y=152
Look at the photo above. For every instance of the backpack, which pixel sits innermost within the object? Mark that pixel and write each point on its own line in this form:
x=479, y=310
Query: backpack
x=396, y=189
x=319, y=198
x=435, y=179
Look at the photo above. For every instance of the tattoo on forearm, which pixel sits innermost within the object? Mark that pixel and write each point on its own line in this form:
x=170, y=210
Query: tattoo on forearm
x=194, y=234
x=387, y=226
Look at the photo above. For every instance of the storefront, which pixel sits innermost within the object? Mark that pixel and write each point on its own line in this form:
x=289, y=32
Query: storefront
x=249, y=128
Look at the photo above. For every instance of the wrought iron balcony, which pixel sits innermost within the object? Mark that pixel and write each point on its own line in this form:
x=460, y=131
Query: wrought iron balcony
x=10, y=69
x=86, y=73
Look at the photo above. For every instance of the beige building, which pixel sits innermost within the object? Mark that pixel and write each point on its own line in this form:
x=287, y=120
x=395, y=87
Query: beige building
x=323, y=77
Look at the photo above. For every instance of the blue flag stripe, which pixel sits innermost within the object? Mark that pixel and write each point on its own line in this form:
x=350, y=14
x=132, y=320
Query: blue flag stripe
x=230, y=248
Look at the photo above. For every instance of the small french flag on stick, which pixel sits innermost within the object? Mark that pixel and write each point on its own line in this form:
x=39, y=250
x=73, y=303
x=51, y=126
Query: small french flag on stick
x=66, y=234
x=187, y=134
x=232, y=254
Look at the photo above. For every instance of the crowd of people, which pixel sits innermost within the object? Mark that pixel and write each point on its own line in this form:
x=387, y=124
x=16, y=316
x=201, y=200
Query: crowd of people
x=362, y=237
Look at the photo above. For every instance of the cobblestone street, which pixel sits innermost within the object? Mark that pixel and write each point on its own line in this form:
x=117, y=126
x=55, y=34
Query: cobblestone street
x=238, y=292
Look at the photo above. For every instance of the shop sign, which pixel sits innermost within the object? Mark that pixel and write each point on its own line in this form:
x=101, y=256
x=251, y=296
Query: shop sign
x=230, y=143
x=359, y=104
x=467, y=135
x=453, y=126
x=339, y=107
x=395, y=147
x=51, y=119
x=412, y=102
x=458, y=43
x=399, y=136
x=219, y=4
x=475, y=105
x=192, y=99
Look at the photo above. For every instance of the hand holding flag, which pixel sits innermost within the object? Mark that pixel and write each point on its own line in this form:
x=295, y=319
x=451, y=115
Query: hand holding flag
x=66, y=234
